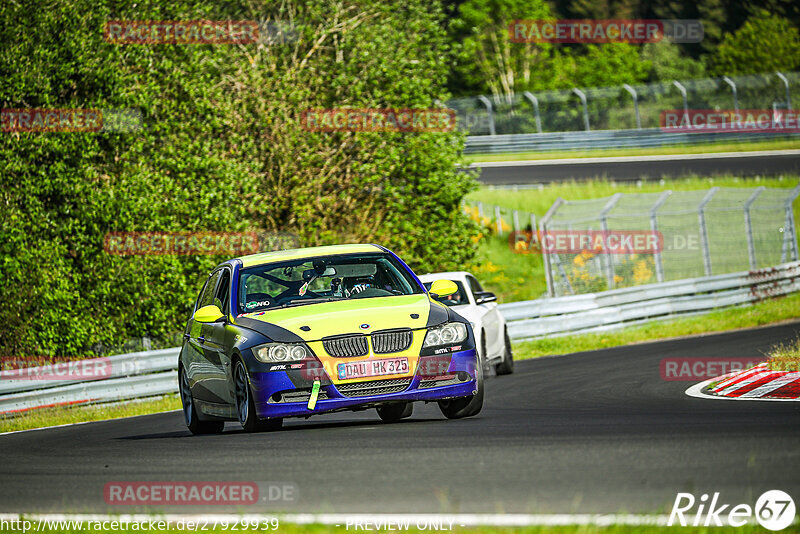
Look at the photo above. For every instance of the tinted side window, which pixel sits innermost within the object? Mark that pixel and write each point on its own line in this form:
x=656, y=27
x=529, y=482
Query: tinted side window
x=474, y=285
x=207, y=297
x=221, y=297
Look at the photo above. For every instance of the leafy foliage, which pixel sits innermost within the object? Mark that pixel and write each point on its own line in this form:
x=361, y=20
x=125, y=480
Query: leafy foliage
x=222, y=150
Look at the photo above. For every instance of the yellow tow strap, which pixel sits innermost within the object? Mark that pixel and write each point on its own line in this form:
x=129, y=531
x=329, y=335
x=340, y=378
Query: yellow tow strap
x=312, y=400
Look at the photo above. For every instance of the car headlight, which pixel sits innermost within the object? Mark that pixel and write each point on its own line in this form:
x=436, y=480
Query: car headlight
x=445, y=334
x=281, y=352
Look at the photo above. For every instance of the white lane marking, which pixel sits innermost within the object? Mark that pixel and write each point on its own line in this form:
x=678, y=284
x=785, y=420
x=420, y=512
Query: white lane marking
x=463, y=520
x=631, y=159
x=772, y=386
x=84, y=422
x=697, y=392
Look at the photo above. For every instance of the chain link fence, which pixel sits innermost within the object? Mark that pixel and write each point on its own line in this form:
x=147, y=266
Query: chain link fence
x=621, y=107
x=699, y=233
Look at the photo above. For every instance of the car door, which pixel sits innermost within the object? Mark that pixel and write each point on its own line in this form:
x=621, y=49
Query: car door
x=215, y=347
x=201, y=369
x=490, y=319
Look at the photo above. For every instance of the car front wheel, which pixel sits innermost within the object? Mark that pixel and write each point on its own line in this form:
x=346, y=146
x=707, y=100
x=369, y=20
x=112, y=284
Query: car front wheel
x=193, y=423
x=395, y=412
x=466, y=406
x=245, y=405
x=506, y=367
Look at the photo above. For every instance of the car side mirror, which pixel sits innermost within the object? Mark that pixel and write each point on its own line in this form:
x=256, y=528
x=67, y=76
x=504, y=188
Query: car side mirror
x=482, y=297
x=208, y=314
x=443, y=288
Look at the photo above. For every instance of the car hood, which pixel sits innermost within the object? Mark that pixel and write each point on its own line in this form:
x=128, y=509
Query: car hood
x=348, y=316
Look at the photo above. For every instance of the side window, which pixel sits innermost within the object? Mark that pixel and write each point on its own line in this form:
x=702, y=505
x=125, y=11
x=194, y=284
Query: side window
x=474, y=285
x=207, y=296
x=221, y=297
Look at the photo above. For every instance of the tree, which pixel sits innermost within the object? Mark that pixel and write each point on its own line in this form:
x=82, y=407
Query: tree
x=765, y=43
x=667, y=63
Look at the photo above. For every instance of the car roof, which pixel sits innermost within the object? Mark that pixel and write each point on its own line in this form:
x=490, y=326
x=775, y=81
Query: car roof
x=449, y=275
x=309, y=252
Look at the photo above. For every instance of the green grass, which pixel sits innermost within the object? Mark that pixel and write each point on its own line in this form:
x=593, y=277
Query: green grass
x=782, y=144
x=785, y=356
x=286, y=528
x=760, y=314
x=64, y=415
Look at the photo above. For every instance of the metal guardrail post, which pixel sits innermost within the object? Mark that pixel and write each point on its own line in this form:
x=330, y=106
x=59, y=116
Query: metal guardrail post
x=480, y=210
x=701, y=212
x=654, y=228
x=535, y=102
x=490, y=111
x=609, y=268
x=748, y=228
x=635, y=96
x=515, y=222
x=789, y=232
x=498, y=221
x=786, y=83
x=582, y=96
x=682, y=89
x=543, y=233
x=735, y=94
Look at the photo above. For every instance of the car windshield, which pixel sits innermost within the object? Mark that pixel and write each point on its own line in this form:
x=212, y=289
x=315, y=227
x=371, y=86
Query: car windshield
x=457, y=298
x=323, y=279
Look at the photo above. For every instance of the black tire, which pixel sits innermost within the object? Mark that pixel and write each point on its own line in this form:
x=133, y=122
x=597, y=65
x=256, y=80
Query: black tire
x=245, y=405
x=394, y=412
x=193, y=423
x=465, y=406
x=506, y=367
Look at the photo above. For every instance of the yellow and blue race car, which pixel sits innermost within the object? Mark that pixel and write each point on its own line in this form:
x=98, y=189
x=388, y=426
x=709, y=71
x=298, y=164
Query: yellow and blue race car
x=301, y=332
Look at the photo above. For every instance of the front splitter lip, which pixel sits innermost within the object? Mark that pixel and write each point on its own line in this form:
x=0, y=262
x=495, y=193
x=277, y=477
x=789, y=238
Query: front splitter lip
x=463, y=361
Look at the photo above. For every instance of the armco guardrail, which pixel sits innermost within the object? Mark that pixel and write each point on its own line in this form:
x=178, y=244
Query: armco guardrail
x=550, y=317
x=151, y=373
x=562, y=141
x=126, y=376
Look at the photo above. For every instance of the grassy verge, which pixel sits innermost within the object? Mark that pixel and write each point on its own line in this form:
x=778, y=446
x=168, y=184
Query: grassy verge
x=782, y=144
x=286, y=528
x=64, y=415
x=760, y=314
x=785, y=356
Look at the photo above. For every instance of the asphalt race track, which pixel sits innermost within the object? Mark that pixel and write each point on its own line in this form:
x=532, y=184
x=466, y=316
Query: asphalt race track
x=591, y=432
x=640, y=167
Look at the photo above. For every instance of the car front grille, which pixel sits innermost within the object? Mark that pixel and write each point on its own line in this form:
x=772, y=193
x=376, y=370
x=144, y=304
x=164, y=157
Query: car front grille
x=444, y=380
x=374, y=387
x=346, y=347
x=394, y=341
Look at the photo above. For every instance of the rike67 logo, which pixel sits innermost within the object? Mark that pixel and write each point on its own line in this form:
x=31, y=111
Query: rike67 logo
x=774, y=510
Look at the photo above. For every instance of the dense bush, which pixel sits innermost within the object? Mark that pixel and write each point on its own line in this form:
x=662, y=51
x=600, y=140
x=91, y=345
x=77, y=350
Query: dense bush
x=222, y=150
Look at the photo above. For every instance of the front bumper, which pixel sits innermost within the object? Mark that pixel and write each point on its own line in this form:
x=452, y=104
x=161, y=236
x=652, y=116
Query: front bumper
x=272, y=385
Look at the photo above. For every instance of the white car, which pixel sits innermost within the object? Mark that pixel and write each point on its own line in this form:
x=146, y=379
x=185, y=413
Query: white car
x=479, y=307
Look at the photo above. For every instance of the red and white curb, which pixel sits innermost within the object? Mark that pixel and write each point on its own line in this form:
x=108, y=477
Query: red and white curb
x=756, y=383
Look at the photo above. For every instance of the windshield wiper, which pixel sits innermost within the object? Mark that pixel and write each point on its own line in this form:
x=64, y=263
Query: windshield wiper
x=300, y=302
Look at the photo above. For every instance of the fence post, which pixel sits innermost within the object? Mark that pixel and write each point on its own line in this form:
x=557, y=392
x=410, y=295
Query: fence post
x=604, y=224
x=701, y=212
x=682, y=89
x=735, y=94
x=654, y=228
x=480, y=210
x=515, y=222
x=786, y=83
x=551, y=292
x=635, y=96
x=748, y=228
x=535, y=102
x=789, y=230
x=490, y=111
x=582, y=96
x=498, y=221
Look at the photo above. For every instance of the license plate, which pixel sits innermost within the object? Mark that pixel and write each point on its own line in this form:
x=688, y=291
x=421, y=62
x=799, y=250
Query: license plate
x=385, y=366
